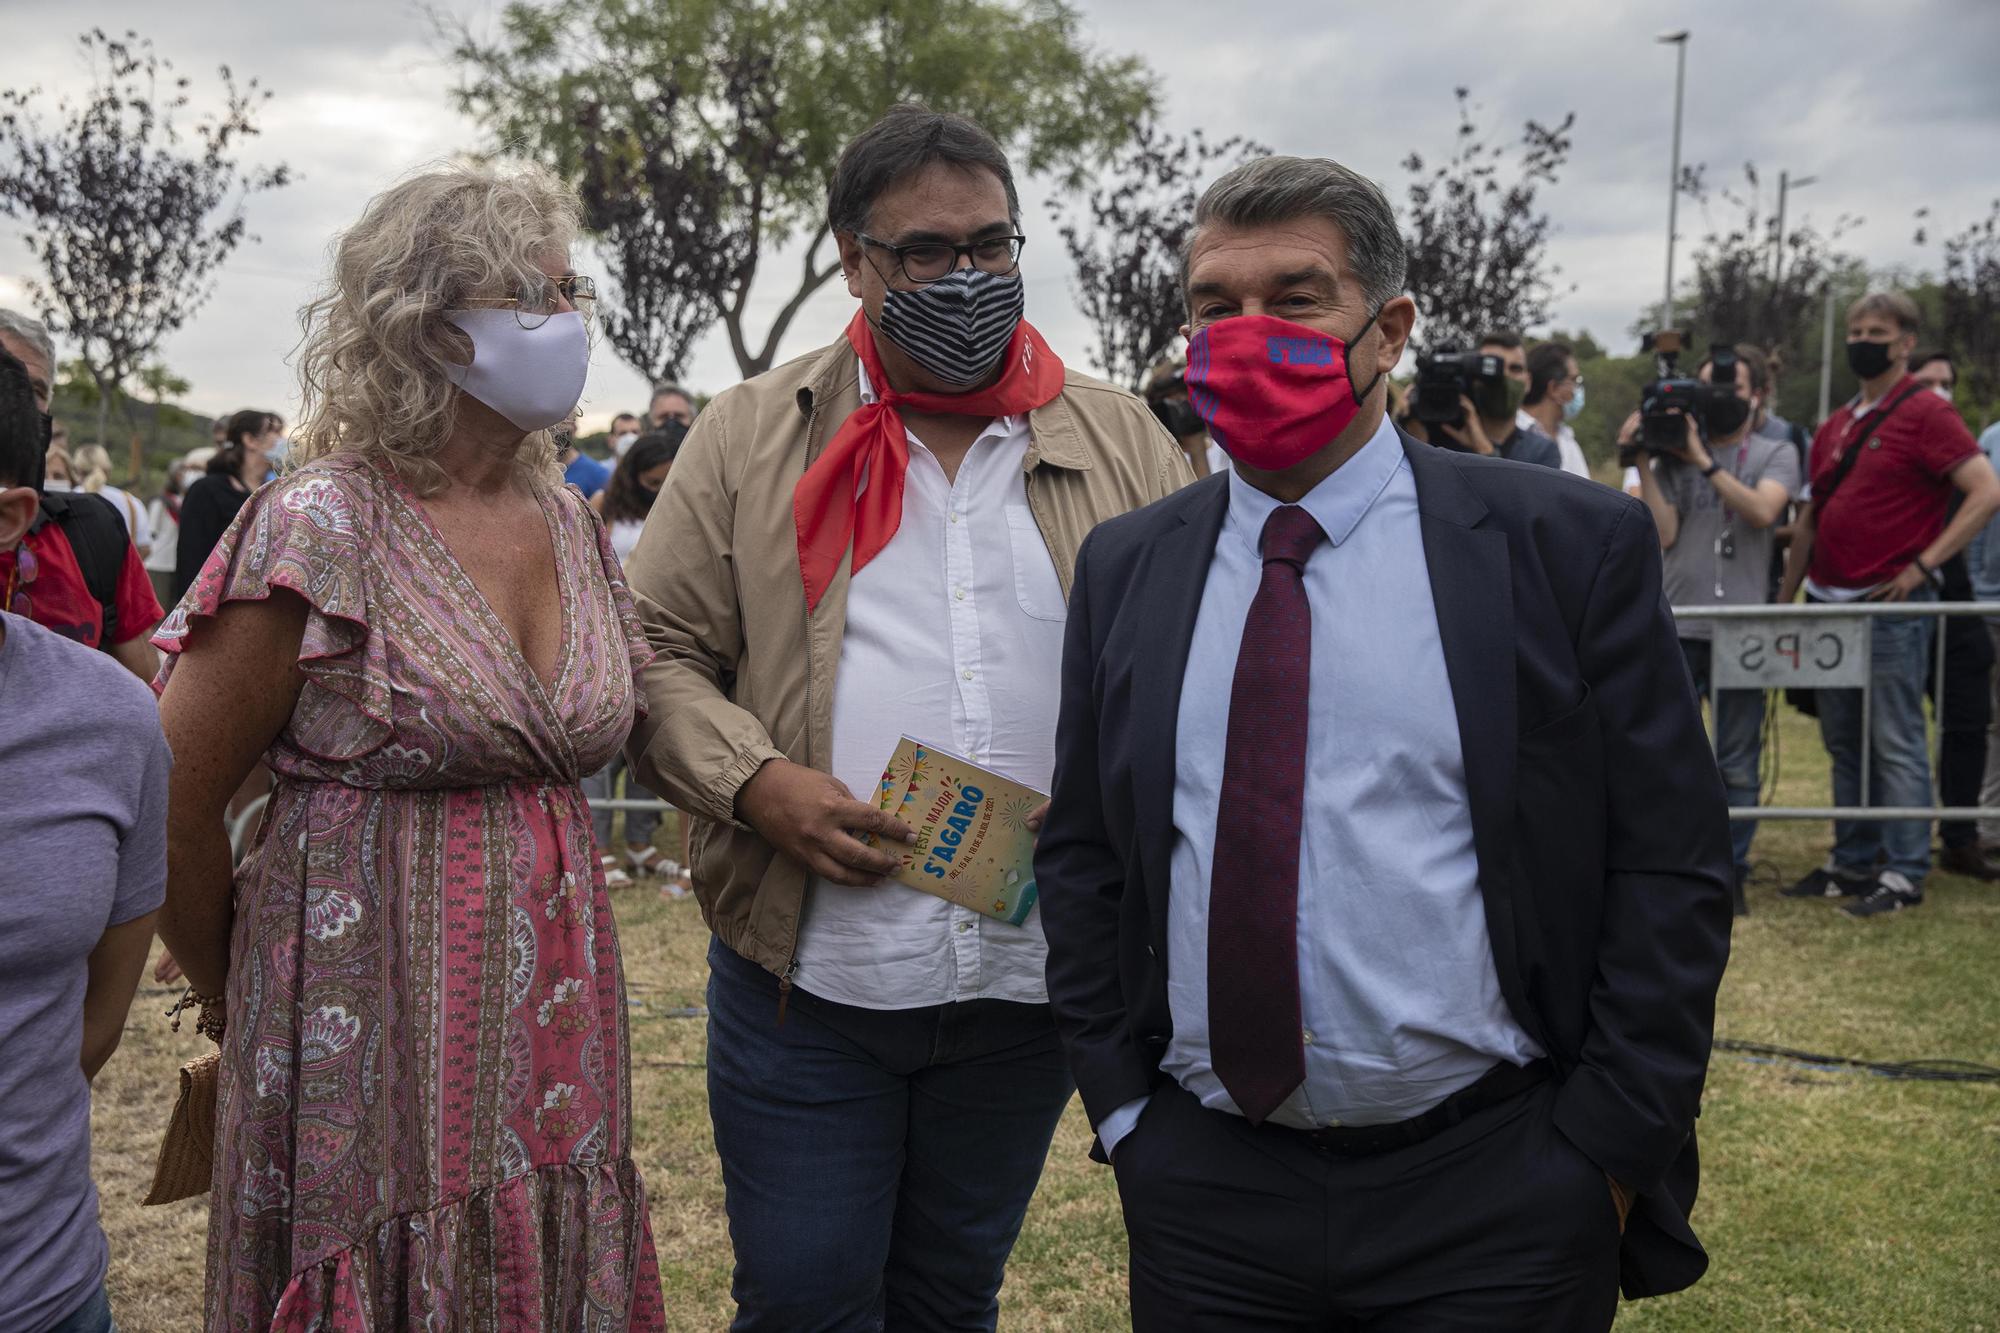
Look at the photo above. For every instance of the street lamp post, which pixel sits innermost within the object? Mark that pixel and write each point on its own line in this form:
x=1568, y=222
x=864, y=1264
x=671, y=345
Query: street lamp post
x=1785, y=185
x=1678, y=40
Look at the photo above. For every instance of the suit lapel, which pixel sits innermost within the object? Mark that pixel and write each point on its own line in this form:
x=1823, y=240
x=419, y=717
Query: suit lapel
x=1472, y=586
x=1169, y=584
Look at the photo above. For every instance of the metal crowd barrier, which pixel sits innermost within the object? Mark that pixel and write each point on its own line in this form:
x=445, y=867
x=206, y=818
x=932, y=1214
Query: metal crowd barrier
x=1825, y=646
x=1815, y=645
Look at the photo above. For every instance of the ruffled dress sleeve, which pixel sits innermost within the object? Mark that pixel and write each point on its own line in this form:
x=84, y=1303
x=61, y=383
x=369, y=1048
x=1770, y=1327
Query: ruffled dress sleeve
x=304, y=533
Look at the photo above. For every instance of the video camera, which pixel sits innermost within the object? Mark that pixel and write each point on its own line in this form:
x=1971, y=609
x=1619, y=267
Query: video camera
x=1167, y=397
x=1446, y=375
x=1671, y=397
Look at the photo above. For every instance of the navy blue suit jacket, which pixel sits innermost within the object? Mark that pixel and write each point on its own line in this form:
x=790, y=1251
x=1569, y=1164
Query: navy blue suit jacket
x=1599, y=817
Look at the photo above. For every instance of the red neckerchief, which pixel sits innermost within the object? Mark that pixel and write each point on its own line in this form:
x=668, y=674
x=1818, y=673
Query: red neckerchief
x=872, y=443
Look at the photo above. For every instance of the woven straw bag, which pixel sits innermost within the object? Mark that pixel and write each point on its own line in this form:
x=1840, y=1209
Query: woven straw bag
x=187, y=1153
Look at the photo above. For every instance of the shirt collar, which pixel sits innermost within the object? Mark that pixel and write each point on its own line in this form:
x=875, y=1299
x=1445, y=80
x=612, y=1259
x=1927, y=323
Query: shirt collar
x=1338, y=503
x=1000, y=426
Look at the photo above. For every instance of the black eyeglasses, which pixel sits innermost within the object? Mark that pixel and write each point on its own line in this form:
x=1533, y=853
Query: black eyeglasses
x=928, y=261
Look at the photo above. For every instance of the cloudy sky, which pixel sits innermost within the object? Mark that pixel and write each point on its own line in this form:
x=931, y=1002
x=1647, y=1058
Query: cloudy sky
x=1892, y=106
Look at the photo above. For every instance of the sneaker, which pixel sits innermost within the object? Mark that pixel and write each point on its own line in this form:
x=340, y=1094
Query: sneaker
x=1892, y=893
x=1830, y=881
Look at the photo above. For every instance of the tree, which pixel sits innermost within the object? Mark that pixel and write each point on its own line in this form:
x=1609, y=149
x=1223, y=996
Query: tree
x=1969, y=305
x=161, y=384
x=703, y=132
x=1740, y=290
x=1477, y=246
x=1127, y=240
x=127, y=219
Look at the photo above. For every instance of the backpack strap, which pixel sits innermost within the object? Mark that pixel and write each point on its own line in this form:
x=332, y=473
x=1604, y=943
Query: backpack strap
x=99, y=540
x=1856, y=441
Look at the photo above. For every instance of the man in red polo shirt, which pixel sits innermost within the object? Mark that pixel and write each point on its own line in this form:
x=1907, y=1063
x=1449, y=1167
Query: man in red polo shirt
x=43, y=579
x=1883, y=469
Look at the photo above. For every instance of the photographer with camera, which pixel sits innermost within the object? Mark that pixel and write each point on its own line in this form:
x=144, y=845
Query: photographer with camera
x=1468, y=401
x=1716, y=491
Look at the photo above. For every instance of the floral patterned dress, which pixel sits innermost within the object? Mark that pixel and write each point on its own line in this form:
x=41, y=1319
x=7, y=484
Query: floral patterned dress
x=425, y=1111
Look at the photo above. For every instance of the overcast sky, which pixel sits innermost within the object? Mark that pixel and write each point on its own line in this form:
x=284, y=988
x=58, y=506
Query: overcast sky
x=1892, y=106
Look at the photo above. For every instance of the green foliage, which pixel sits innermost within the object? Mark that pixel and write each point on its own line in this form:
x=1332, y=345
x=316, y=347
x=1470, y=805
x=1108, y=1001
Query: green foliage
x=1476, y=240
x=740, y=108
x=126, y=217
x=1125, y=238
x=75, y=384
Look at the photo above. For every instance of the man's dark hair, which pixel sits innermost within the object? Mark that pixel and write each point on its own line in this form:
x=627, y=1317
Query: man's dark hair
x=908, y=138
x=1506, y=338
x=1546, y=364
x=20, y=424
x=1922, y=359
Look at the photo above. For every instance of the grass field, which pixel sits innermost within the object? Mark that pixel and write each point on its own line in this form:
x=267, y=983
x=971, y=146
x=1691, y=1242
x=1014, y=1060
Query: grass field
x=1829, y=1201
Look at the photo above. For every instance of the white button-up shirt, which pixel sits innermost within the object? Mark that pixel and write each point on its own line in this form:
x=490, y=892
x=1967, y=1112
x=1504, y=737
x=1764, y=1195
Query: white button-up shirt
x=1399, y=992
x=954, y=637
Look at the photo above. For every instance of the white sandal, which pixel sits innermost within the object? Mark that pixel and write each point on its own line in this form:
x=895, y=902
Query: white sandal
x=614, y=878
x=642, y=860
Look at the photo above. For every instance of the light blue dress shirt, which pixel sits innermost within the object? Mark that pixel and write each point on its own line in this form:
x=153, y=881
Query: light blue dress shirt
x=1401, y=1001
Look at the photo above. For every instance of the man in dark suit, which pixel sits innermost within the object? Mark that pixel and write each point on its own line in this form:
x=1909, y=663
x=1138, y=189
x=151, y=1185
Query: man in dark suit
x=1386, y=879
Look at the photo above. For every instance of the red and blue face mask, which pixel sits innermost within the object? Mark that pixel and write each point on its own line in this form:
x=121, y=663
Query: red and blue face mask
x=1272, y=393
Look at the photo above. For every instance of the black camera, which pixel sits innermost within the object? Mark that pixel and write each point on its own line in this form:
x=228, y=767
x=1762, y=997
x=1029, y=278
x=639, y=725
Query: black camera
x=1672, y=397
x=1171, y=408
x=1446, y=375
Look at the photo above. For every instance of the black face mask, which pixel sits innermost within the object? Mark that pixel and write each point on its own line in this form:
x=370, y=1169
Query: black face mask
x=1725, y=415
x=1868, y=359
x=1178, y=416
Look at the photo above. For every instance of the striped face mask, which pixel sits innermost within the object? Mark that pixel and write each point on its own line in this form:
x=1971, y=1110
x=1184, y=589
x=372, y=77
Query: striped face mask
x=958, y=327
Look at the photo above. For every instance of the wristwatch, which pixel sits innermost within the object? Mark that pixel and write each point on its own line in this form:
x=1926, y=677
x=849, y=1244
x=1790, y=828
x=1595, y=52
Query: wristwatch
x=1931, y=576
x=1712, y=468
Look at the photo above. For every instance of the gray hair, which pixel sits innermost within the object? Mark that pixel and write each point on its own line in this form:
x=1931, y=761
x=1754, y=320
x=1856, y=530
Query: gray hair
x=32, y=332
x=1285, y=189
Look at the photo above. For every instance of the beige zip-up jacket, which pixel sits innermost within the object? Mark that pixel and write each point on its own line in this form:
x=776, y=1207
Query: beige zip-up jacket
x=743, y=674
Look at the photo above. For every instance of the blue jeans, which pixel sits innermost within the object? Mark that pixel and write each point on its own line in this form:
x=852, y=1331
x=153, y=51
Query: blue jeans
x=1739, y=743
x=603, y=784
x=876, y=1164
x=1899, y=759
x=93, y=1316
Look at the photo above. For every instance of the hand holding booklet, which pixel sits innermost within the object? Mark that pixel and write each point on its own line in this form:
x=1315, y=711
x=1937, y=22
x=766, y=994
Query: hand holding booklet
x=974, y=846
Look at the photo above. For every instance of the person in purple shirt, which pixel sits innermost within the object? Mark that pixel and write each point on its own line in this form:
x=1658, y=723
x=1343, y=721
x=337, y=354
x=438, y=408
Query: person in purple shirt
x=83, y=825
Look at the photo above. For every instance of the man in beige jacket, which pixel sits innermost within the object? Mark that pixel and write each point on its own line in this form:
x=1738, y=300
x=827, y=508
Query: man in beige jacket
x=872, y=541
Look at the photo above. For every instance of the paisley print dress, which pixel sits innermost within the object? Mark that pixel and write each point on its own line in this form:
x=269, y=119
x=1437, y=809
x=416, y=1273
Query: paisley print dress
x=425, y=1108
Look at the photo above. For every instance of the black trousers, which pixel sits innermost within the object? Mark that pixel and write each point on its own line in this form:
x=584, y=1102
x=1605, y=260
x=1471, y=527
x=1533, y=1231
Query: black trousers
x=1498, y=1223
x=1967, y=709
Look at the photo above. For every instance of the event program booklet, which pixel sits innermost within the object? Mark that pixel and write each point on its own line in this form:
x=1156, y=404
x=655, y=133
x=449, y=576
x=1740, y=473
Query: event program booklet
x=974, y=846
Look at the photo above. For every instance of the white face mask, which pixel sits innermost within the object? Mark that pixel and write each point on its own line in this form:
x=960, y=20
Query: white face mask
x=623, y=442
x=532, y=377
x=1942, y=390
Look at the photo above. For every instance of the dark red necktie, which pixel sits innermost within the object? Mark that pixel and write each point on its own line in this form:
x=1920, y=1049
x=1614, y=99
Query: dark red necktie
x=1254, y=1023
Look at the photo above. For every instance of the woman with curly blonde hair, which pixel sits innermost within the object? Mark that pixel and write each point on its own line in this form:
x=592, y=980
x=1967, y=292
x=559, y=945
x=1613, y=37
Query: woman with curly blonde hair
x=424, y=1115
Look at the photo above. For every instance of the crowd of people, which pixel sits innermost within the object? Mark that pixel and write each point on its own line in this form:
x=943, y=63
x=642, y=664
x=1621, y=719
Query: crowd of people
x=1385, y=870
